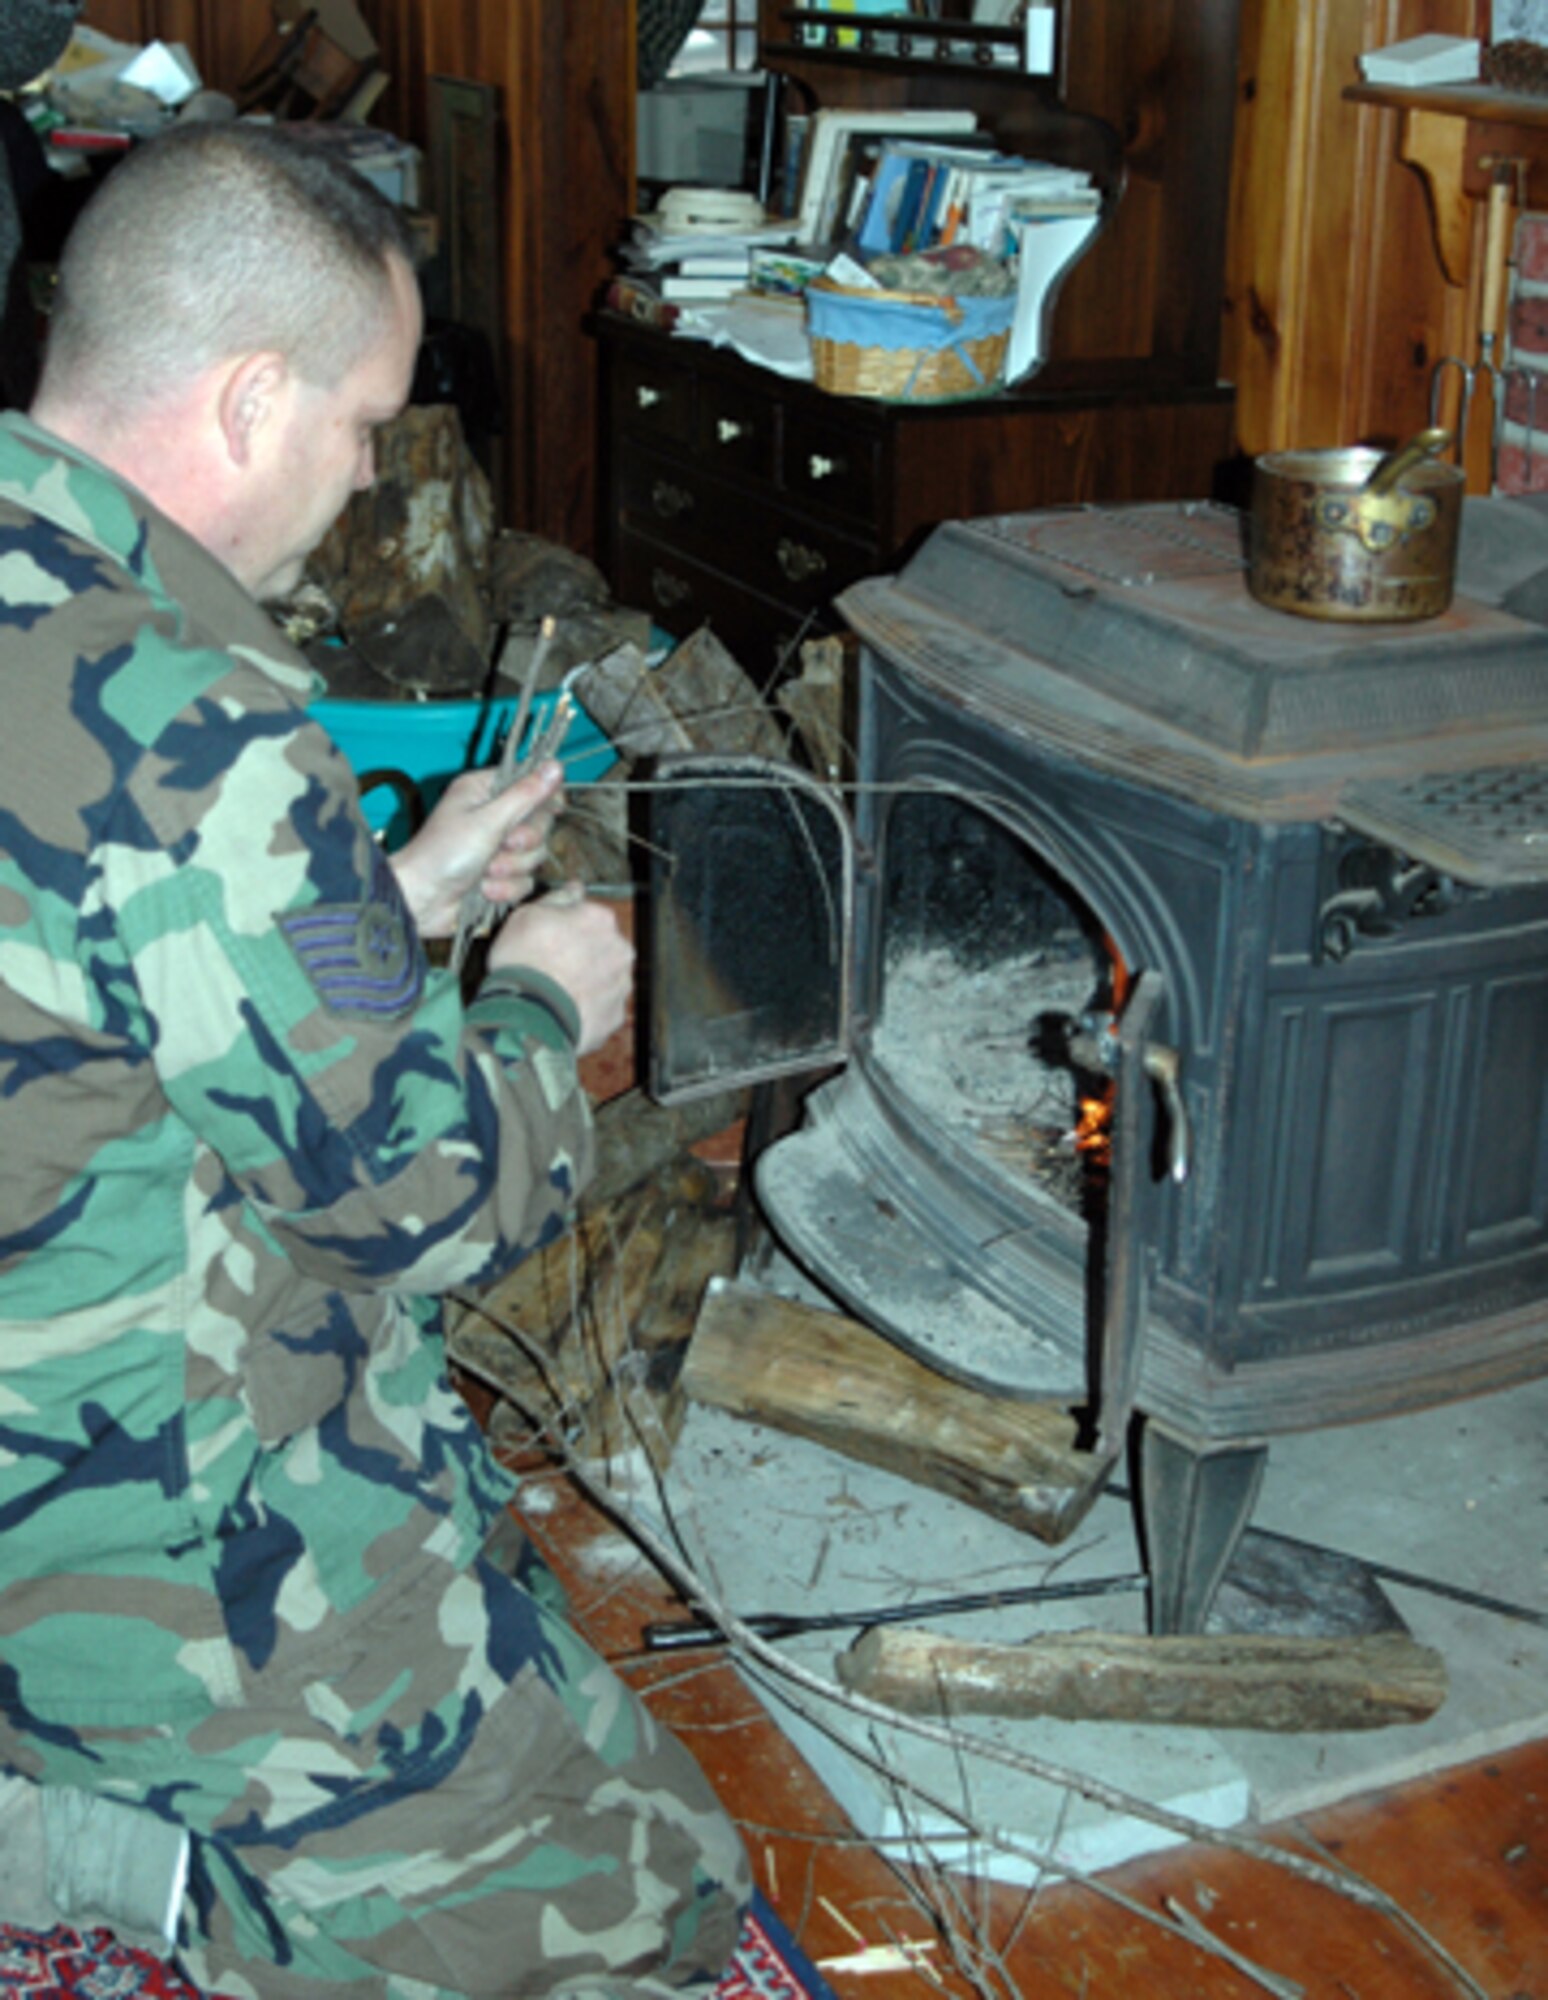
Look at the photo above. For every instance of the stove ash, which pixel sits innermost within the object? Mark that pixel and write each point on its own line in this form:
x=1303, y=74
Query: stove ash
x=987, y=972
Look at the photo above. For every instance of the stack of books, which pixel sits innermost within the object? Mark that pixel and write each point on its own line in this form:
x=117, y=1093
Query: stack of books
x=922, y=195
x=669, y=269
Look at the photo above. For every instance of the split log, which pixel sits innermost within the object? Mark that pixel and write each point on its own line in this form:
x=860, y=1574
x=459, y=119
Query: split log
x=636, y=1137
x=815, y=704
x=624, y=698
x=823, y=1376
x=531, y=579
x=415, y=548
x=589, y=842
x=717, y=703
x=698, y=698
x=574, y=1304
x=693, y=1257
x=1254, y=1682
x=565, y=1336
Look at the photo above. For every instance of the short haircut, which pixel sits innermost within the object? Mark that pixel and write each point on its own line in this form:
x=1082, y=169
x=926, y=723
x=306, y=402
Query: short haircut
x=213, y=241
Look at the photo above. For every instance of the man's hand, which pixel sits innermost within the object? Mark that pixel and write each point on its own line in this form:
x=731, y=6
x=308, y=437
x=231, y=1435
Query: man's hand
x=579, y=944
x=475, y=841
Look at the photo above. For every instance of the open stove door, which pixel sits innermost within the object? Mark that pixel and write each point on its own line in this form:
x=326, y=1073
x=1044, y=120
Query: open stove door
x=752, y=924
x=1123, y=1050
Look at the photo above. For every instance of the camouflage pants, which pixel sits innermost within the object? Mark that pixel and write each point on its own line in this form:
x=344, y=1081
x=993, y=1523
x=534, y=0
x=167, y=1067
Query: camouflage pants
x=457, y=1797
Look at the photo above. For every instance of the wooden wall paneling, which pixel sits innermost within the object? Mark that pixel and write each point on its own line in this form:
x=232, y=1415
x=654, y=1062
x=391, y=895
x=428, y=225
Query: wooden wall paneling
x=565, y=74
x=124, y=20
x=219, y=34
x=1161, y=77
x=1337, y=306
x=1405, y=310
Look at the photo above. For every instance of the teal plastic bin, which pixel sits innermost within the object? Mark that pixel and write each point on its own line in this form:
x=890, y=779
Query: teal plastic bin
x=429, y=742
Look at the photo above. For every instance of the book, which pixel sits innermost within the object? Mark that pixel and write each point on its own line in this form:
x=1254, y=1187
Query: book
x=679, y=290
x=632, y=299
x=650, y=247
x=879, y=226
x=828, y=139
x=787, y=272
x=923, y=195
x=1421, y=60
x=716, y=264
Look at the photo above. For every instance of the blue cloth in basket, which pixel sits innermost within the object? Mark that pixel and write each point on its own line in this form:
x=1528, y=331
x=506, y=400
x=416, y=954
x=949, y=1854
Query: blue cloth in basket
x=895, y=324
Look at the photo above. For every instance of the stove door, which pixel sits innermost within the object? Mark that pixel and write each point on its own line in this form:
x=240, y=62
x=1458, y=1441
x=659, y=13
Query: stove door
x=751, y=924
x=1124, y=1051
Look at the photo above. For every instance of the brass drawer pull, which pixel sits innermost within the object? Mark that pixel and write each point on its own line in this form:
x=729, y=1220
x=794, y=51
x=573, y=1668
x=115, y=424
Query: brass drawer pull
x=670, y=502
x=798, y=561
x=728, y=430
x=647, y=397
x=669, y=590
x=818, y=467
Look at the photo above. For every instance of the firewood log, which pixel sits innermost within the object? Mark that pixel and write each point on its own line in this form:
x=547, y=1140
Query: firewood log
x=1252, y=1681
x=822, y=1376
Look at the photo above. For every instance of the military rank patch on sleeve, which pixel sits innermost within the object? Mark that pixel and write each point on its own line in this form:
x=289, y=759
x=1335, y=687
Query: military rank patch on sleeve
x=362, y=958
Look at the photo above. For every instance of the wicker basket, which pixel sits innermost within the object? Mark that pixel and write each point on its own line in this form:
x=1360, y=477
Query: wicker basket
x=907, y=347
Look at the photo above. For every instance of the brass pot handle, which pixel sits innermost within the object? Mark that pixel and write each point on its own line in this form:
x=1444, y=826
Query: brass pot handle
x=1378, y=521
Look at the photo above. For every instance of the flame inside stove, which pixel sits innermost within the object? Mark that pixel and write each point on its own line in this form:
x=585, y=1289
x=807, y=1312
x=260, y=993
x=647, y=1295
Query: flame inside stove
x=1092, y=1136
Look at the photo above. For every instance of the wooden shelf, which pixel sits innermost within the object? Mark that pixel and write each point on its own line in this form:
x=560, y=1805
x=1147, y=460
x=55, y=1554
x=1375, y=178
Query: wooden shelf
x=1459, y=140
x=1481, y=102
x=906, y=44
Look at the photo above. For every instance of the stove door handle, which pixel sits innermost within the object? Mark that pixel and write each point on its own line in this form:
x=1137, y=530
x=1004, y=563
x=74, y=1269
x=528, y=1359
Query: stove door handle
x=1164, y=1068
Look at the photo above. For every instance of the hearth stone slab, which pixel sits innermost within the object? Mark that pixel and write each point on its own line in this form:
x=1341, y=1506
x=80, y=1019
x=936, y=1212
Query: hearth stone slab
x=1460, y=1494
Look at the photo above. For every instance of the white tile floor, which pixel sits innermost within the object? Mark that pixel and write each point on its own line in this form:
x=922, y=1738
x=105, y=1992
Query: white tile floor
x=1460, y=1494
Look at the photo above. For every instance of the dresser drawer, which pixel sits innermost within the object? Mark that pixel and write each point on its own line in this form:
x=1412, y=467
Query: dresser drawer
x=781, y=554
x=666, y=498
x=681, y=595
x=653, y=397
x=734, y=429
x=801, y=561
x=832, y=465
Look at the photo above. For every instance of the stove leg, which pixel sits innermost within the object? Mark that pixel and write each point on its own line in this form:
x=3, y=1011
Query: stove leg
x=1195, y=1504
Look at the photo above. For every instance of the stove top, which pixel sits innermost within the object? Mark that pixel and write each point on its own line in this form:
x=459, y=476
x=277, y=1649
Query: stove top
x=1126, y=637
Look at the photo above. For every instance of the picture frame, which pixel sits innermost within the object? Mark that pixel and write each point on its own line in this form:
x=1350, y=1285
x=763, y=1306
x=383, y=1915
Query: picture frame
x=462, y=158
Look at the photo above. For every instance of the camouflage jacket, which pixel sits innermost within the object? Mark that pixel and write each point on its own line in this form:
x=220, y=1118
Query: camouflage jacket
x=247, y=1135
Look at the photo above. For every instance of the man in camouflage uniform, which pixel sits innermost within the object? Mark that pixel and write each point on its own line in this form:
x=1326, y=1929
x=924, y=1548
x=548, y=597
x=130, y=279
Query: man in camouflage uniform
x=252, y=1581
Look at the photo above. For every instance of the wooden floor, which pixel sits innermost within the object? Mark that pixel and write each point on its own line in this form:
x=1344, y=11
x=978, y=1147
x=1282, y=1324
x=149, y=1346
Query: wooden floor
x=1464, y=1854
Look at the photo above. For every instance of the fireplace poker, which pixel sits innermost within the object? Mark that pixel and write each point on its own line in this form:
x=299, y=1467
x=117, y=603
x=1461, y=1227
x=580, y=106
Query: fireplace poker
x=477, y=911
x=682, y=1634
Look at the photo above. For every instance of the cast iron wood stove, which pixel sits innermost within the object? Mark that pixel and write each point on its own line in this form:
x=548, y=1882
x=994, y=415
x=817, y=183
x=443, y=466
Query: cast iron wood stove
x=1267, y=896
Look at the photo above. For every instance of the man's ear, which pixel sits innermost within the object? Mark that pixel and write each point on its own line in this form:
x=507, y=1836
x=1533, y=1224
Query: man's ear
x=249, y=394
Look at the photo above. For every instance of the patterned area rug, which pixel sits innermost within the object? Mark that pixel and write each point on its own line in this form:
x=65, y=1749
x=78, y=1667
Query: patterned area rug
x=61, y=1964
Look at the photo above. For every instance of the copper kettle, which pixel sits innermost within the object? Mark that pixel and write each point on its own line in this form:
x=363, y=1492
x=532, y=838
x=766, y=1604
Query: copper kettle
x=1356, y=533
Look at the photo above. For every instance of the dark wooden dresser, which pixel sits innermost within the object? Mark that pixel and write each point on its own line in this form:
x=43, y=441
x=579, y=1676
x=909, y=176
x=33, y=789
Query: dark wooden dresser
x=741, y=498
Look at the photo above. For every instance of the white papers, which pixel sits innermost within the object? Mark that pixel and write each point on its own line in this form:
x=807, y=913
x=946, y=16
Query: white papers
x=845, y=271
x=165, y=69
x=1422, y=59
x=771, y=333
x=650, y=247
x=1045, y=250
